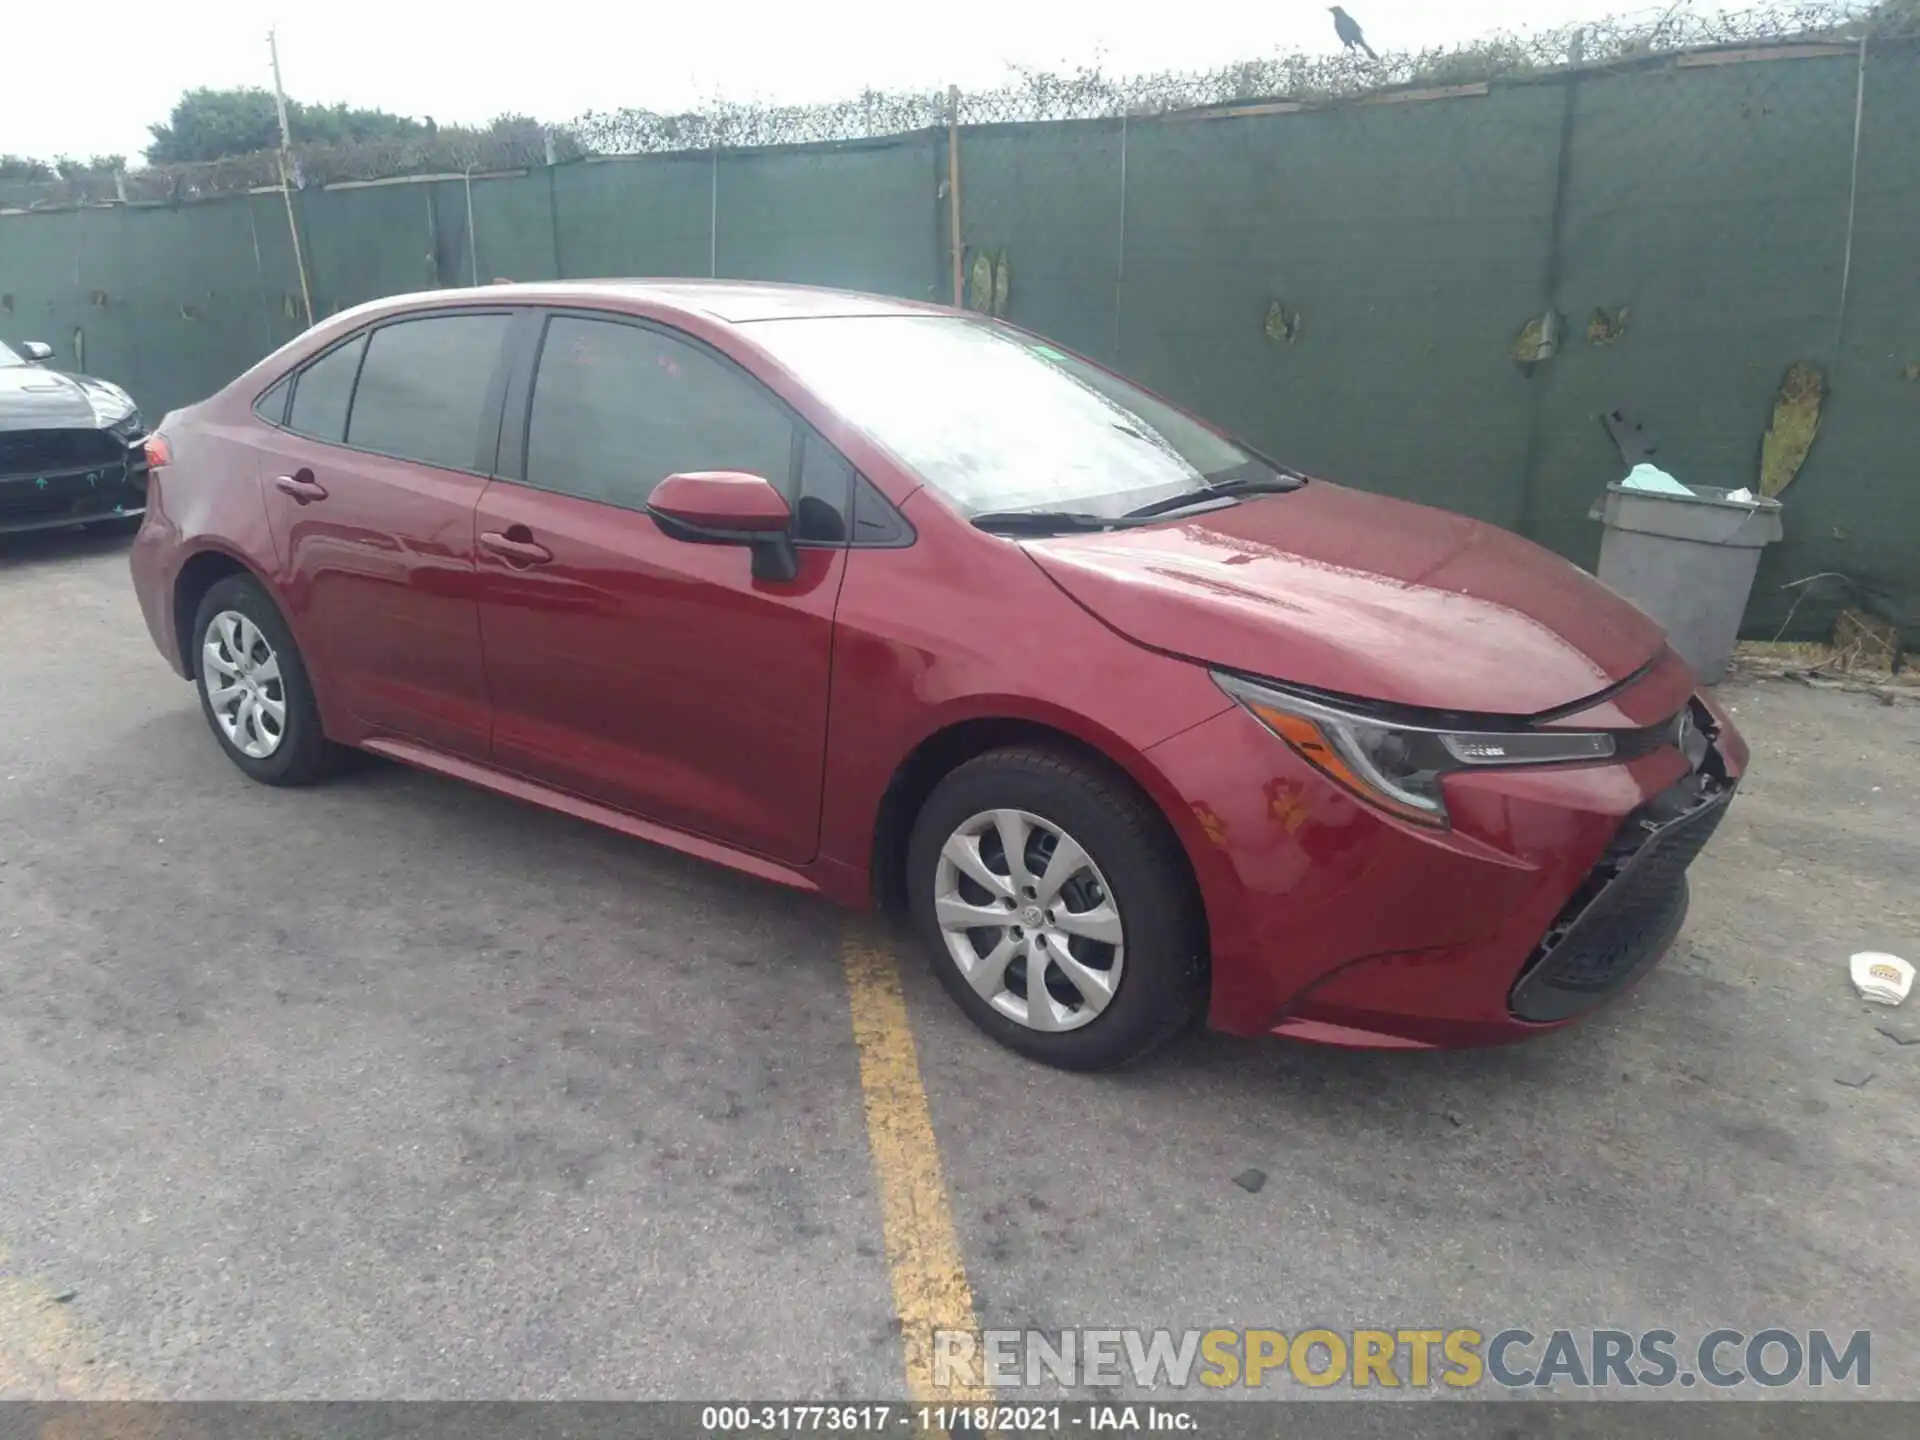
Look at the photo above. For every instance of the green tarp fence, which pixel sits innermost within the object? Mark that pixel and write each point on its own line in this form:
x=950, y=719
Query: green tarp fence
x=1343, y=285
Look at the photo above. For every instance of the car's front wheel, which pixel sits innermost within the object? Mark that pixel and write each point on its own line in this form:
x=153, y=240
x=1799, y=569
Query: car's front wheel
x=1056, y=909
x=253, y=686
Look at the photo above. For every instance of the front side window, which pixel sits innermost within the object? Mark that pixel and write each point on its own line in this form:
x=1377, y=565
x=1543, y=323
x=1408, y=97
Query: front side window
x=826, y=493
x=999, y=420
x=423, y=389
x=617, y=408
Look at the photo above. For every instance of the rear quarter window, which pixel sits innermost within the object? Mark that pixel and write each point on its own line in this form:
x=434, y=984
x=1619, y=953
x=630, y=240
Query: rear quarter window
x=322, y=390
x=272, y=406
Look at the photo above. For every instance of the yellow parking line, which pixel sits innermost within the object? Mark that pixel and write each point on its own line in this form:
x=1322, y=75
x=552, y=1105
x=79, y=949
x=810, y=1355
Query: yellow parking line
x=930, y=1290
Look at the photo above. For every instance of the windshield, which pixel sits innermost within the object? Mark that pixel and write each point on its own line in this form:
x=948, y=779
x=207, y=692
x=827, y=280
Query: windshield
x=8, y=356
x=998, y=420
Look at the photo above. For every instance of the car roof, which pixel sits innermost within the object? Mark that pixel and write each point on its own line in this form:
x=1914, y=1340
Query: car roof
x=732, y=302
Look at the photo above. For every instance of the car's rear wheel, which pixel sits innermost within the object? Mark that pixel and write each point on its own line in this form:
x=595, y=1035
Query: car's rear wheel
x=253, y=686
x=1056, y=908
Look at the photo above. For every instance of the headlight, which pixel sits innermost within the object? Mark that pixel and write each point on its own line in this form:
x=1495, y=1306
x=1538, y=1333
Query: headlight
x=112, y=406
x=1398, y=766
x=127, y=430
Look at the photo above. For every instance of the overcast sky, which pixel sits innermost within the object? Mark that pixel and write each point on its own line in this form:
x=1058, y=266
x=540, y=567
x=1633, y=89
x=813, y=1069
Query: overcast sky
x=88, y=81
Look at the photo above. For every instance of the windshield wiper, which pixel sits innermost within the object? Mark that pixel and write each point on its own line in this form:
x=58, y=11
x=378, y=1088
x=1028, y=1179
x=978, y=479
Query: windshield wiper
x=1039, y=522
x=1210, y=496
x=1056, y=522
x=1220, y=490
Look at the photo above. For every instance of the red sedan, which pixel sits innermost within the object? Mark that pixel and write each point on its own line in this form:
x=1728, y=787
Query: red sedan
x=904, y=605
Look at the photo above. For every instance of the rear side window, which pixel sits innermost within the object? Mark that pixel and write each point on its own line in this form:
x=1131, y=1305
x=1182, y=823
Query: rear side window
x=617, y=408
x=423, y=389
x=322, y=390
x=272, y=406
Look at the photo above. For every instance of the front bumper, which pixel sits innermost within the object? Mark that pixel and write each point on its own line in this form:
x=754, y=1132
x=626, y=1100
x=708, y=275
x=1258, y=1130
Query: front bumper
x=1623, y=918
x=48, y=499
x=1555, y=890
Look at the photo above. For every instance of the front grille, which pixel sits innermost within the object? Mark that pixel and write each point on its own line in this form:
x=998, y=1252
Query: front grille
x=34, y=453
x=1628, y=910
x=76, y=496
x=1632, y=744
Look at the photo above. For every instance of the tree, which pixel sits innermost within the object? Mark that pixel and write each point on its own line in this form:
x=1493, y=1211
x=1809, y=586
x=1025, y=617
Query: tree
x=1890, y=19
x=20, y=167
x=345, y=125
x=69, y=165
x=1897, y=17
x=214, y=124
x=211, y=124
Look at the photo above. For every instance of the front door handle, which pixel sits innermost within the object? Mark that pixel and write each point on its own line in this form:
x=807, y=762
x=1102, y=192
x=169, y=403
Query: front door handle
x=517, y=547
x=301, y=486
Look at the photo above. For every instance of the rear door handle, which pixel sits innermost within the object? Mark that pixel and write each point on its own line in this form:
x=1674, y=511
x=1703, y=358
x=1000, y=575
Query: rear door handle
x=301, y=486
x=515, y=549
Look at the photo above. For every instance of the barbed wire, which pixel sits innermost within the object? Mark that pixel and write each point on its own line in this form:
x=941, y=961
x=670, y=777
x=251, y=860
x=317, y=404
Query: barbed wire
x=1089, y=93
x=515, y=145
x=1643, y=38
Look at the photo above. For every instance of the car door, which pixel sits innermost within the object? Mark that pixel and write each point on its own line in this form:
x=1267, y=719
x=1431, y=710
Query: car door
x=648, y=673
x=370, y=483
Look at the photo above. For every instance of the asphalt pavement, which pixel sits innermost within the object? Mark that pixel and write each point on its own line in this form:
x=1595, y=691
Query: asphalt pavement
x=394, y=1088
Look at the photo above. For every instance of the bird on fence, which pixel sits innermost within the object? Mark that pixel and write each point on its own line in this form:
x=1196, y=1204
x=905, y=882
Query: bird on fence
x=1348, y=29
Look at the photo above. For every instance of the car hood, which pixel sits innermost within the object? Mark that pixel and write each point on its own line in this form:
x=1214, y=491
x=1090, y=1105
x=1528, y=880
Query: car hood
x=35, y=398
x=1357, y=594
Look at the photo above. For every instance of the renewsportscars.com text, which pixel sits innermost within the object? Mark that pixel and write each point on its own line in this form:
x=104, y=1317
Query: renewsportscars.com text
x=1457, y=1358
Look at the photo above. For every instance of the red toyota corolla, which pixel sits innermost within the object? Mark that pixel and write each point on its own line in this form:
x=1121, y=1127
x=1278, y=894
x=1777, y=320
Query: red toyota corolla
x=899, y=604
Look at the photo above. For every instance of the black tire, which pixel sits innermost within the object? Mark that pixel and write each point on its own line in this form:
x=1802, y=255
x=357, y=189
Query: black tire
x=1163, y=980
x=304, y=753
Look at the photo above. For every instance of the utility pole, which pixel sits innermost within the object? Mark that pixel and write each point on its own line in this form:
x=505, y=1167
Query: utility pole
x=279, y=94
x=953, y=199
x=286, y=190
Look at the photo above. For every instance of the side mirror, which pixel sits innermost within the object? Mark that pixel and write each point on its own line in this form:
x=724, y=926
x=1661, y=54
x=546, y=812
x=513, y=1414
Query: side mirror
x=37, y=352
x=729, y=507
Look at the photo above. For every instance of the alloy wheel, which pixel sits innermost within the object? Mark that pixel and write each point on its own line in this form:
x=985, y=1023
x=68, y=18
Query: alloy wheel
x=244, y=687
x=1029, y=920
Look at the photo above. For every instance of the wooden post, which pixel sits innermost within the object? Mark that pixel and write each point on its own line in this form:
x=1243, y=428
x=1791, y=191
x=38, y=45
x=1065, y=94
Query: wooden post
x=953, y=196
x=286, y=189
x=293, y=229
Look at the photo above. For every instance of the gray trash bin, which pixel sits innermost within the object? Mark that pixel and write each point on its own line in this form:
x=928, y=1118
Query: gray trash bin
x=1688, y=561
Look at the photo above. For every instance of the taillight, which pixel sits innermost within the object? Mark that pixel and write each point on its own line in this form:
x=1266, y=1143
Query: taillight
x=159, y=452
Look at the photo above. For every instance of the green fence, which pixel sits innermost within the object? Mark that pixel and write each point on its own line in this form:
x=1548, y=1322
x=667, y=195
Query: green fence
x=1343, y=284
